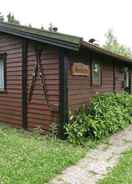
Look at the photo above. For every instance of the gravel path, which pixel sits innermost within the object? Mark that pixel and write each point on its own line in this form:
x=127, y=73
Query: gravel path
x=97, y=162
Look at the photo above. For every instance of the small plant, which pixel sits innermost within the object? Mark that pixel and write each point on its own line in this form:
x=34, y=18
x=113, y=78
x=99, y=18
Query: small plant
x=77, y=128
x=106, y=114
x=53, y=130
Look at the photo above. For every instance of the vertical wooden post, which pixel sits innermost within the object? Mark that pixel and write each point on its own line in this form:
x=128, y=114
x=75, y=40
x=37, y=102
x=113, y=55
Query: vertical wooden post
x=130, y=80
x=24, y=84
x=114, y=76
x=63, y=97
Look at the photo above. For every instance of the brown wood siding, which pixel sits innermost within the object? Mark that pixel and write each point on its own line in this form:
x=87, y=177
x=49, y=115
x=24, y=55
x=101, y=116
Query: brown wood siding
x=10, y=99
x=80, y=88
x=119, y=76
x=39, y=114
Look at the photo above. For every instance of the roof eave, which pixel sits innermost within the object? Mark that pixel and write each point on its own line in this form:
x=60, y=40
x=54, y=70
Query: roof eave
x=41, y=39
x=100, y=50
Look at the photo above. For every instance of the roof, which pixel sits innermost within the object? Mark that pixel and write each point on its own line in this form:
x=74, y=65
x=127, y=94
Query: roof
x=105, y=51
x=56, y=39
x=44, y=36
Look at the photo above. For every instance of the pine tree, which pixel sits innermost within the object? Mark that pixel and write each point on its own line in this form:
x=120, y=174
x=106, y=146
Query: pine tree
x=42, y=27
x=1, y=18
x=30, y=26
x=11, y=19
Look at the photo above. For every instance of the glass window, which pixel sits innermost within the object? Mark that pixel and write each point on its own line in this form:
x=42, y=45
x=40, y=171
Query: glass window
x=96, y=73
x=2, y=73
x=126, y=77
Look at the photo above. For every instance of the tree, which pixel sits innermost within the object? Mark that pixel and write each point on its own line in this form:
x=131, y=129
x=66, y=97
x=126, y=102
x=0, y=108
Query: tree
x=1, y=17
x=29, y=25
x=11, y=19
x=113, y=45
x=42, y=27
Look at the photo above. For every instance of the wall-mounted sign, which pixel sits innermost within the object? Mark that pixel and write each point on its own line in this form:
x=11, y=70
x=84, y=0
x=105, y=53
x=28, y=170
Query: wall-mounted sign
x=80, y=69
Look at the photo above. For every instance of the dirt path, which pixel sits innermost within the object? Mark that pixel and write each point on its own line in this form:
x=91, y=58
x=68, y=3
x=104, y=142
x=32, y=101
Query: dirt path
x=97, y=162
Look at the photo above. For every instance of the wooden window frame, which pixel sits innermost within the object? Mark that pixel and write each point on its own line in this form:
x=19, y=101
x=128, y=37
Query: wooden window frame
x=4, y=57
x=96, y=61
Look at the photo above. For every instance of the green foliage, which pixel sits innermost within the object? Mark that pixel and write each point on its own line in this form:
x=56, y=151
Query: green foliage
x=1, y=17
x=113, y=45
x=11, y=19
x=77, y=128
x=107, y=114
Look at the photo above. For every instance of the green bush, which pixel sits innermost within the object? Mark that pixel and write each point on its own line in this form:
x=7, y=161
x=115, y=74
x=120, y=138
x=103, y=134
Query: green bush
x=107, y=114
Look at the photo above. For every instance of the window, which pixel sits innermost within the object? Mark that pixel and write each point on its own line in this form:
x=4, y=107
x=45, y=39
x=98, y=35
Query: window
x=2, y=72
x=96, y=73
x=126, y=77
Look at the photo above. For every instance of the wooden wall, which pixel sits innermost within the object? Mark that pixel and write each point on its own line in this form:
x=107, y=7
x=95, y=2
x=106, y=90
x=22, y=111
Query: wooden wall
x=119, y=77
x=80, y=88
x=39, y=114
x=10, y=99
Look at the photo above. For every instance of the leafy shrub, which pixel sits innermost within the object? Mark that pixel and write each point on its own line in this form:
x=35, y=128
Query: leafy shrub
x=106, y=114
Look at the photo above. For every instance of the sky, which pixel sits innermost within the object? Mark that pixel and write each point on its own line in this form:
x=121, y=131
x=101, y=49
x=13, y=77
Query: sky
x=84, y=18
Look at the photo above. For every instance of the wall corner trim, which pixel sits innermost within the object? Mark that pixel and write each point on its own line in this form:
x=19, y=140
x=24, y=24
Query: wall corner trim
x=63, y=92
x=24, y=83
x=114, y=76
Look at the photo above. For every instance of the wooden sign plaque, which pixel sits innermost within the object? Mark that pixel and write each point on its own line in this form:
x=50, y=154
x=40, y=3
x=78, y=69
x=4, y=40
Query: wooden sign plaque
x=80, y=69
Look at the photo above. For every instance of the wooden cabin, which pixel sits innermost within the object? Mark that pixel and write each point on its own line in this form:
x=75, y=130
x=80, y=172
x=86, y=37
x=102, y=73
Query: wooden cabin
x=45, y=74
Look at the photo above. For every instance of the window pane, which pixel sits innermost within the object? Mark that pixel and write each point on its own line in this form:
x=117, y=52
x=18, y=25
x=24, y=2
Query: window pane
x=96, y=73
x=126, y=77
x=1, y=74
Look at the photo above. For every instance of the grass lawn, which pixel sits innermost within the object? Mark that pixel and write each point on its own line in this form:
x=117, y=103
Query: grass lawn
x=28, y=158
x=122, y=173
